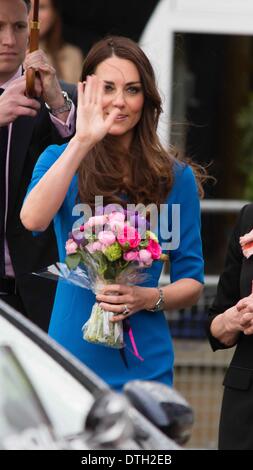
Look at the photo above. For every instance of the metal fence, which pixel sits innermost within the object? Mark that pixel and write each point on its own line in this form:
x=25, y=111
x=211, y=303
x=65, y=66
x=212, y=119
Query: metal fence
x=199, y=371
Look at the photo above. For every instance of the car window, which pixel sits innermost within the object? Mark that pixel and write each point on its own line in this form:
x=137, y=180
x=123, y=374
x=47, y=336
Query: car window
x=64, y=399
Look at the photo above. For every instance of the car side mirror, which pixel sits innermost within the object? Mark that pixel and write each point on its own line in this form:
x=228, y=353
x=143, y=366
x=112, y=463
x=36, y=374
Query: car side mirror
x=163, y=406
x=108, y=424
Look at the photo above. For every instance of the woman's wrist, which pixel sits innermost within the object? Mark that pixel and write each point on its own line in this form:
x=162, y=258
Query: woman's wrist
x=151, y=298
x=80, y=146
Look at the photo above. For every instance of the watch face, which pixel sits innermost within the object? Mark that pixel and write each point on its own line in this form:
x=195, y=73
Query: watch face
x=158, y=304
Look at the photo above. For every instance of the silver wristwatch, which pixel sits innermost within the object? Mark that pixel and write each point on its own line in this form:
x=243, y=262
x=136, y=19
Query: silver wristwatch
x=62, y=109
x=160, y=302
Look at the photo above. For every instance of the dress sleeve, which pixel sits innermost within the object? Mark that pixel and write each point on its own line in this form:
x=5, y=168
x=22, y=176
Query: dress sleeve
x=44, y=162
x=186, y=261
x=228, y=290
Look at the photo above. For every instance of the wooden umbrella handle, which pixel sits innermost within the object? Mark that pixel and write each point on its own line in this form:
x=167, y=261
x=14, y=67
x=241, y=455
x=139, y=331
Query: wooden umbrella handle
x=34, y=45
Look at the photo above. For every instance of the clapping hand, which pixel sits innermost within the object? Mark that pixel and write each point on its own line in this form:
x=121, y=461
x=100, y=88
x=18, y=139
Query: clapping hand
x=245, y=307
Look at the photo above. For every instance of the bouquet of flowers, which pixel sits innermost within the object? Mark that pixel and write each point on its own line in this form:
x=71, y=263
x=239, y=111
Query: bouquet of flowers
x=110, y=249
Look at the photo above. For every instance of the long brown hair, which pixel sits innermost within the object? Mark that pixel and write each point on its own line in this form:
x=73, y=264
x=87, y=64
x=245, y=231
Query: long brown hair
x=145, y=172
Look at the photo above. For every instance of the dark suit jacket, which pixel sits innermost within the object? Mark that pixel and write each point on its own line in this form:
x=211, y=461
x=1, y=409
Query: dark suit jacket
x=30, y=136
x=236, y=422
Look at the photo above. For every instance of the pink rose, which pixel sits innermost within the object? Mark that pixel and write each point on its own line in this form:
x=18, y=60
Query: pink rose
x=129, y=236
x=71, y=246
x=131, y=255
x=154, y=249
x=96, y=220
x=106, y=237
x=246, y=242
x=248, y=237
x=145, y=258
x=116, y=220
x=95, y=246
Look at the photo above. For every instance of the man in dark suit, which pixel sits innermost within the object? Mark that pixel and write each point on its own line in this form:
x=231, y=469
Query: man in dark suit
x=27, y=127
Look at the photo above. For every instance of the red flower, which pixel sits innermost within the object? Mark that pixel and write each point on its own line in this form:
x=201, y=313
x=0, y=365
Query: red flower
x=154, y=249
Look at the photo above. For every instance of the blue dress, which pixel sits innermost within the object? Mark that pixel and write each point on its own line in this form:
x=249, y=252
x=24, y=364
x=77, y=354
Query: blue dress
x=73, y=304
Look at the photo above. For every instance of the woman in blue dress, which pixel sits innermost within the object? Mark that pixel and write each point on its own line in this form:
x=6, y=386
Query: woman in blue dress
x=116, y=154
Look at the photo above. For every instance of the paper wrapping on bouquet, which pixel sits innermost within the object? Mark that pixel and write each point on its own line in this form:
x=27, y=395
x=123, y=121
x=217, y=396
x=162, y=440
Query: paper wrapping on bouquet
x=98, y=329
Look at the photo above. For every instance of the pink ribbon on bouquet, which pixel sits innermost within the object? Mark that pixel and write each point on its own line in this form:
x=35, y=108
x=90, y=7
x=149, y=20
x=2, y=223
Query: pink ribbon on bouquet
x=128, y=329
x=133, y=344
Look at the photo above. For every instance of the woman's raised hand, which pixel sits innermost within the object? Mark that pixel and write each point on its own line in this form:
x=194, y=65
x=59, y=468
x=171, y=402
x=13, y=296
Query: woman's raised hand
x=91, y=124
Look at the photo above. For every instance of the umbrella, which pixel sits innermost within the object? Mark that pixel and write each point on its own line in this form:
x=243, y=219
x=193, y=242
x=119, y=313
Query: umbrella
x=34, y=44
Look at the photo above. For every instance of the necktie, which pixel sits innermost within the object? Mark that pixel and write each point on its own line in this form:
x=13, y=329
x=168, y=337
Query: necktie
x=3, y=153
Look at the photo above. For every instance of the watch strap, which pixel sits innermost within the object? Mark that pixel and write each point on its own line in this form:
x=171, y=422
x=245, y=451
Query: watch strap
x=160, y=302
x=61, y=109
